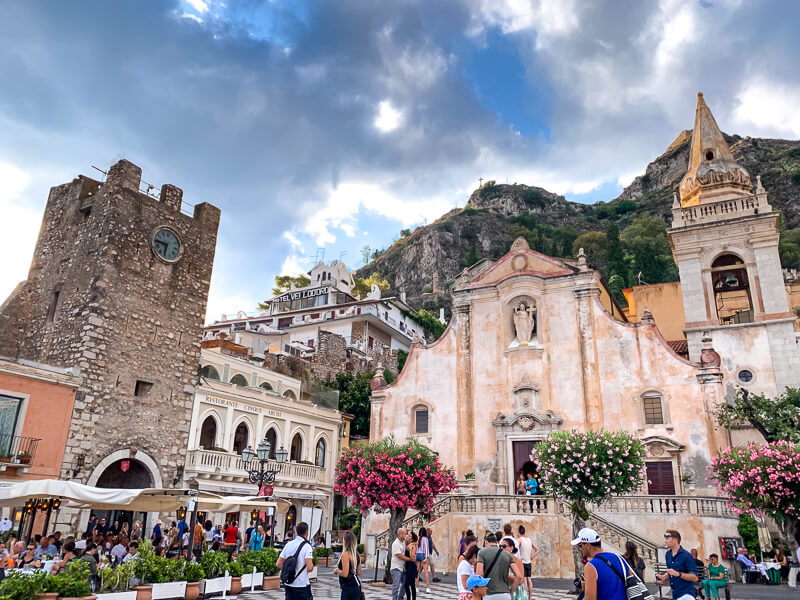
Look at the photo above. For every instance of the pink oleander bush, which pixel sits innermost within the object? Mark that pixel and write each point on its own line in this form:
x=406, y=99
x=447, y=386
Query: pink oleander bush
x=386, y=476
x=760, y=478
x=589, y=467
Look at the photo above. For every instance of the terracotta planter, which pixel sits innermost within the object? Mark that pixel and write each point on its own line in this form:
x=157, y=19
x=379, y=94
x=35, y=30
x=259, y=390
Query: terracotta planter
x=192, y=590
x=46, y=595
x=143, y=592
x=236, y=585
x=271, y=583
x=78, y=597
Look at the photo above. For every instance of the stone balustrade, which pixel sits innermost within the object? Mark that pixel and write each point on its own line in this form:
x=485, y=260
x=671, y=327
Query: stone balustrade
x=226, y=466
x=667, y=505
x=745, y=206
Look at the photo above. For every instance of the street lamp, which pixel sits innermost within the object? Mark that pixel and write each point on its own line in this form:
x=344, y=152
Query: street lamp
x=262, y=473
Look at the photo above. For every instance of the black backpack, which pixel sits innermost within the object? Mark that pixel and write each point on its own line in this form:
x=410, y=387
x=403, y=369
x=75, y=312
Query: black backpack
x=289, y=570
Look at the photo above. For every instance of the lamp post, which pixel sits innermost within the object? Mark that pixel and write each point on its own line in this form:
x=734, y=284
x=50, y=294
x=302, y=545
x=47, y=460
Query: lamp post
x=256, y=463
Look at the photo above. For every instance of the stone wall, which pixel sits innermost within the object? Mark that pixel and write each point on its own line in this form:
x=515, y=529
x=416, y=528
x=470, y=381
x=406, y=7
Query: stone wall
x=99, y=298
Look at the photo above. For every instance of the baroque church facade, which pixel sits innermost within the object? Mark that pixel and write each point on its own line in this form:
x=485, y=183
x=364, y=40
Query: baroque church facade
x=536, y=344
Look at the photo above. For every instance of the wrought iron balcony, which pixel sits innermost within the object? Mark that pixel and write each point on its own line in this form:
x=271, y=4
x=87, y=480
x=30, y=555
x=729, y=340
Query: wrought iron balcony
x=16, y=451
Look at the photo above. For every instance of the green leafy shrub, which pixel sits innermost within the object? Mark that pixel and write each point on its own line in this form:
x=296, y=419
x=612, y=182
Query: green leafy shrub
x=214, y=564
x=73, y=582
x=116, y=579
x=748, y=529
x=149, y=568
x=193, y=571
x=360, y=548
x=263, y=560
x=235, y=569
x=21, y=586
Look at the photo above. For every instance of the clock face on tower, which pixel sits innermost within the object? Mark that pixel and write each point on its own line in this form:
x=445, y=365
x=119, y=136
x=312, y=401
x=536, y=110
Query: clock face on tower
x=167, y=245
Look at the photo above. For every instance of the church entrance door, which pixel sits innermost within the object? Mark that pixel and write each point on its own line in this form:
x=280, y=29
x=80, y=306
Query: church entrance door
x=523, y=465
x=126, y=474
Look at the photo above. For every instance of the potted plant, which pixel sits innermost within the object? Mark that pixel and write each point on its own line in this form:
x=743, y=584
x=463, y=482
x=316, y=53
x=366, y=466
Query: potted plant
x=22, y=586
x=235, y=570
x=73, y=583
x=147, y=570
x=5, y=457
x=214, y=565
x=264, y=562
x=24, y=457
x=114, y=583
x=192, y=573
x=167, y=579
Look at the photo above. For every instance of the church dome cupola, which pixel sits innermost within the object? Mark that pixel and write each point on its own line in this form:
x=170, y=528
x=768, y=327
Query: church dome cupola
x=713, y=173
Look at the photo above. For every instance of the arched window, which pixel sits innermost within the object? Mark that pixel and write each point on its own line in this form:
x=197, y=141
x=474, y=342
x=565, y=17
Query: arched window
x=289, y=394
x=272, y=438
x=267, y=386
x=241, y=438
x=239, y=380
x=209, y=372
x=731, y=290
x=319, y=455
x=653, y=409
x=296, y=453
x=208, y=433
x=421, y=420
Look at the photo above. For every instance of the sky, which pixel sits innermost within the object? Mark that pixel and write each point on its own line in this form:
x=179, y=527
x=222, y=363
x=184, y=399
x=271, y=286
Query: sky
x=330, y=126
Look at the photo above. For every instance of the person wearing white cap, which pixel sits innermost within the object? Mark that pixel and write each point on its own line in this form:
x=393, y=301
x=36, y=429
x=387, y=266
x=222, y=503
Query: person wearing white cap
x=605, y=572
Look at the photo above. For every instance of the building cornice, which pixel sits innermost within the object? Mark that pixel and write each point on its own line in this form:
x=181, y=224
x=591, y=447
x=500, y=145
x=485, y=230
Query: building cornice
x=41, y=372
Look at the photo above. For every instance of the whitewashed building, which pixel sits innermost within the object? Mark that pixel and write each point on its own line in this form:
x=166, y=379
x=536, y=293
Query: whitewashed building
x=240, y=403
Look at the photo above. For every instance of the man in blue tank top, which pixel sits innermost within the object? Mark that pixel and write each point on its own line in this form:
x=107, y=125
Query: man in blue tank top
x=605, y=572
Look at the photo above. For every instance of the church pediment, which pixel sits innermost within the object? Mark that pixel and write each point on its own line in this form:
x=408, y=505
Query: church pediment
x=521, y=260
x=528, y=421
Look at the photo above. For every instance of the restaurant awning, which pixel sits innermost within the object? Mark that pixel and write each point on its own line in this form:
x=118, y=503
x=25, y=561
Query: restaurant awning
x=78, y=495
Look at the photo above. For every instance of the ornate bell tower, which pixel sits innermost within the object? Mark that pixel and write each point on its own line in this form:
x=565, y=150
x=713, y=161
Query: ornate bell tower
x=724, y=239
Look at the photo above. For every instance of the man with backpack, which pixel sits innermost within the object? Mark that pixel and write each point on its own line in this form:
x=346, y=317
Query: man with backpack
x=494, y=563
x=295, y=563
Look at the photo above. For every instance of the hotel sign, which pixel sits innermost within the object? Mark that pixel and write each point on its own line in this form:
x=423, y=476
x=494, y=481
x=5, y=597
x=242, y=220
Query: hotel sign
x=299, y=295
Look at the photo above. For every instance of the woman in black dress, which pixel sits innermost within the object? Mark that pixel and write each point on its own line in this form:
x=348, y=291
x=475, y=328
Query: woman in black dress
x=349, y=569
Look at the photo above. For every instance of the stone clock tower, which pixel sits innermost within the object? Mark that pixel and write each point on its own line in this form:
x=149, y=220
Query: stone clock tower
x=118, y=289
x=724, y=238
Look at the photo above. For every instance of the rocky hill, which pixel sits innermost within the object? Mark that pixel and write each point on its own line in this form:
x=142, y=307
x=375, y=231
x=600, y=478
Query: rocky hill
x=423, y=262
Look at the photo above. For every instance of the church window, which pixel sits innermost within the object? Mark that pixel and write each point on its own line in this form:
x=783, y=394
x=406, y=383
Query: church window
x=421, y=420
x=709, y=155
x=51, y=311
x=653, y=412
x=272, y=438
x=267, y=386
x=142, y=388
x=209, y=372
x=239, y=380
x=731, y=290
x=745, y=376
x=290, y=395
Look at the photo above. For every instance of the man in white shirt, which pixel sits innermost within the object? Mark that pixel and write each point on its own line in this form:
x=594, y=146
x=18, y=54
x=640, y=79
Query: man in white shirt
x=527, y=552
x=119, y=550
x=133, y=548
x=300, y=588
x=398, y=564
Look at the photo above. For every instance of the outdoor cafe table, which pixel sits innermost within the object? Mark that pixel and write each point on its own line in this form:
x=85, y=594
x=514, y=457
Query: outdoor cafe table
x=773, y=571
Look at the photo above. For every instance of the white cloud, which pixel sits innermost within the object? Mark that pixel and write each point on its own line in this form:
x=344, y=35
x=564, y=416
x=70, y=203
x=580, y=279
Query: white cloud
x=769, y=108
x=297, y=245
x=548, y=18
x=192, y=17
x=294, y=265
x=19, y=237
x=198, y=5
x=388, y=118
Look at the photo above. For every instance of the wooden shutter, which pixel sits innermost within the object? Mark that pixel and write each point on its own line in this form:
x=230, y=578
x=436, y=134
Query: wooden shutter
x=662, y=483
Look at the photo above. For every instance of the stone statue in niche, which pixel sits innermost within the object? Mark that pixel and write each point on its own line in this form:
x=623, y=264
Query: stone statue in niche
x=524, y=322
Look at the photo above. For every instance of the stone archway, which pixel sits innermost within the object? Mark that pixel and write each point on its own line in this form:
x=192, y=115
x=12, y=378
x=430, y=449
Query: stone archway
x=126, y=473
x=523, y=428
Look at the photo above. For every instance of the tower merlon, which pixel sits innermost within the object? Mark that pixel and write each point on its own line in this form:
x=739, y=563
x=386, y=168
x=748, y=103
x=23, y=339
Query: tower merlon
x=124, y=174
x=171, y=196
x=207, y=214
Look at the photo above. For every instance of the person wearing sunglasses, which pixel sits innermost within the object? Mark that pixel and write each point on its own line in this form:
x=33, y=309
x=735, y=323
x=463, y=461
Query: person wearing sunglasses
x=29, y=560
x=681, y=568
